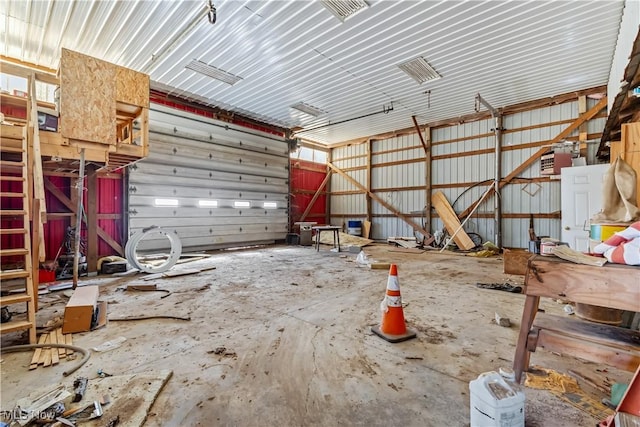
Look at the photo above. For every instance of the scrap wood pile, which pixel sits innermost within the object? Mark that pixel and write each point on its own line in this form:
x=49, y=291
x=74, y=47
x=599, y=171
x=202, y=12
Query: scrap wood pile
x=49, y=356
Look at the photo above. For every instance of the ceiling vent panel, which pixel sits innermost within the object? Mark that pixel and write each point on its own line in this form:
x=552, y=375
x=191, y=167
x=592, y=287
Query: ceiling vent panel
x=419, y=70
x=308, y=109
x=213, y=72
x=343, y=9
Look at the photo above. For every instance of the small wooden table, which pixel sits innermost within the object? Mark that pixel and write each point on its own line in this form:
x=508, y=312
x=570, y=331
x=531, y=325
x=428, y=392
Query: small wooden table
x=336, y=234
x=613, y=286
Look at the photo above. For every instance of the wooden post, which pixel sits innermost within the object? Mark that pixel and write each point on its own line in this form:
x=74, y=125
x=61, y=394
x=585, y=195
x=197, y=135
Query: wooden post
x=92, y=221
x=428, y=179
x=327, y=216
x=369, y=180
x=78, y=235
x=35, y=252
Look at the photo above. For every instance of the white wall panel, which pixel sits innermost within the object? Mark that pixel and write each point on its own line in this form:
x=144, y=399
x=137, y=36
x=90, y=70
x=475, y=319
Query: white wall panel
x=194, y=158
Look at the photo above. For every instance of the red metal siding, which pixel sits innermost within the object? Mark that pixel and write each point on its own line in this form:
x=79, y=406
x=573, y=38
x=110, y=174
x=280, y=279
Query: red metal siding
x=306, y=177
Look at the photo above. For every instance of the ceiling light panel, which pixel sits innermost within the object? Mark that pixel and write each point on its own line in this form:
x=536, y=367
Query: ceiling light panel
x=213, y=72
x=419, y=70
x=344, y=9
x=308, y=109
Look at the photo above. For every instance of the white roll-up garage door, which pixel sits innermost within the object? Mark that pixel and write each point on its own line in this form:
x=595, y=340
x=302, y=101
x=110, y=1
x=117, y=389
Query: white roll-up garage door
x=214, y=184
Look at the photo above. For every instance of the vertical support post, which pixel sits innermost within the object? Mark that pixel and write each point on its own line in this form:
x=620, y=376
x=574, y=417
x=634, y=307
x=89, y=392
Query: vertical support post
x=497, y=200
x=35, y=252
x=79, y=190
x=92, y=221
x=327, y=217
x=497, y=207
x=369, y=180
x=428, y=176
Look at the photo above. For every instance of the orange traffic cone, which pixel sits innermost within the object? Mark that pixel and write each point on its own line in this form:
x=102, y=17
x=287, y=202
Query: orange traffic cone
x=393, y=328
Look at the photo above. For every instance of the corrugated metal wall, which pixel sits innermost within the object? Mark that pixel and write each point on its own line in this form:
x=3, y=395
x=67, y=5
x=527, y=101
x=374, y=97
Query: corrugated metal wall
x=398, y=166
x=194, y=159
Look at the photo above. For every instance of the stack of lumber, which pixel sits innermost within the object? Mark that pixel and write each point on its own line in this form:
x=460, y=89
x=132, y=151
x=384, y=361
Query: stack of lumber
x=51, y=356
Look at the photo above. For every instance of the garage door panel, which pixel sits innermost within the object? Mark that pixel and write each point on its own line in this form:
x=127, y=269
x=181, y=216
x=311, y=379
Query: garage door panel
x=161, y=212
x=174, y=146
x=235, y=165
x=204, y=193
x=198, y=221
x=139, y=179
x=193, y=127
x=194, y=159
x=242, y=178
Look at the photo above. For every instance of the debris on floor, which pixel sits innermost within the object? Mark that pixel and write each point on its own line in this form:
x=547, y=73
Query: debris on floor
x=505, y=322
x=567, y=389
x=125, y=398
x=51, y=356
x=500, y=287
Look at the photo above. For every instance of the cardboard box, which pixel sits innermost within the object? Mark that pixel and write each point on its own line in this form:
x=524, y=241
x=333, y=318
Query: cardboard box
x=82, y=310
x=515, y=261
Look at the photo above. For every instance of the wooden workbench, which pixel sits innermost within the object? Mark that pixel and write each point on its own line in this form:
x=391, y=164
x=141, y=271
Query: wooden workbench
x=612, y=286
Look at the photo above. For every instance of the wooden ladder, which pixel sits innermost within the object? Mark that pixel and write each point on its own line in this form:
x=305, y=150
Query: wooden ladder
x=14, y=217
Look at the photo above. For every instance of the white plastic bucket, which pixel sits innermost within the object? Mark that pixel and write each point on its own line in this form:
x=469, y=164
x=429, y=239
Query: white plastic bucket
x=495, y=402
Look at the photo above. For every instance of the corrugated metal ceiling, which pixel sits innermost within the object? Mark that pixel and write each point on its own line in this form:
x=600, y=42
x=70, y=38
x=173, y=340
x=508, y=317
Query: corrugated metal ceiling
x=292, y=51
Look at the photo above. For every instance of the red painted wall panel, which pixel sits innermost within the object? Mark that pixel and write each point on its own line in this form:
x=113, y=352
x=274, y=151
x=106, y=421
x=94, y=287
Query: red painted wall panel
x=306, y=177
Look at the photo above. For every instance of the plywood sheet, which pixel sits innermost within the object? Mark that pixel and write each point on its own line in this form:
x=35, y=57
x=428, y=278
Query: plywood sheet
x=132, y=87
x=87, y=98
x=450, y=220
x=345, y=239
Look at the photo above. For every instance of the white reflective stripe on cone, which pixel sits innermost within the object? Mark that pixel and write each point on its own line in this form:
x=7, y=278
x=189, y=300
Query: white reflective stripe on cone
x=394, y=301
x=393, y=284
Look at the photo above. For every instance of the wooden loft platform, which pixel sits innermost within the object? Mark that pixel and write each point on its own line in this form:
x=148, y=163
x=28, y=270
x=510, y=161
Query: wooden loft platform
x=103, y=109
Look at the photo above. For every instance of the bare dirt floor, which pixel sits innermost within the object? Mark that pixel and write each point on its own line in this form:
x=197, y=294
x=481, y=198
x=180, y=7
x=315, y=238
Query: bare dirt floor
x=280, y=336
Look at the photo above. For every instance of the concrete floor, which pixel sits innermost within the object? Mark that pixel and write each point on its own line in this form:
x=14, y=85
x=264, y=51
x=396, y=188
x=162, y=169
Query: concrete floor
x=295, y=324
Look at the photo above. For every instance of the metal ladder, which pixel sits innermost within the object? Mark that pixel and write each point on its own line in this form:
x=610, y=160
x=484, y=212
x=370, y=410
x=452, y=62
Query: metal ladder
x=15, y=250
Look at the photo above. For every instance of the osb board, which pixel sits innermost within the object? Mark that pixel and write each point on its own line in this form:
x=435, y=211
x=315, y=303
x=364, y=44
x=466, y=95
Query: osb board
x=131, y=396
x=87, y=98
x=132, y=87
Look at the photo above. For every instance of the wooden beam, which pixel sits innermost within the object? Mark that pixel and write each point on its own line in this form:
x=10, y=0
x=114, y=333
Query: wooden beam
x=397, y=213
x=369, y=179
x=428, y=178
x=327, y=214
x=315, y=196
x=25, y=69
x=565, y=133
x=510, y=109
x=419, y=132
x=69, y=204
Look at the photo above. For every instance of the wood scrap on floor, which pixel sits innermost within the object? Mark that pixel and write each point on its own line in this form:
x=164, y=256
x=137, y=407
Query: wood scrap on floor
x=177, y=272
x=451, y=221
x=408, y=250
x=345, y=239
x=405, y=242
x=379, y=265
x=51, y=356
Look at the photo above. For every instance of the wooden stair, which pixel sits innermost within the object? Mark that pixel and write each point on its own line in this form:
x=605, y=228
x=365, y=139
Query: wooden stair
x=14, y=215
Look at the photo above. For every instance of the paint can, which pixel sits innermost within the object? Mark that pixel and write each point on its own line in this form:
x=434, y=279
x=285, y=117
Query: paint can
x=496, y=401
x=601, y=232
x=546, y=248
x=354, y=228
